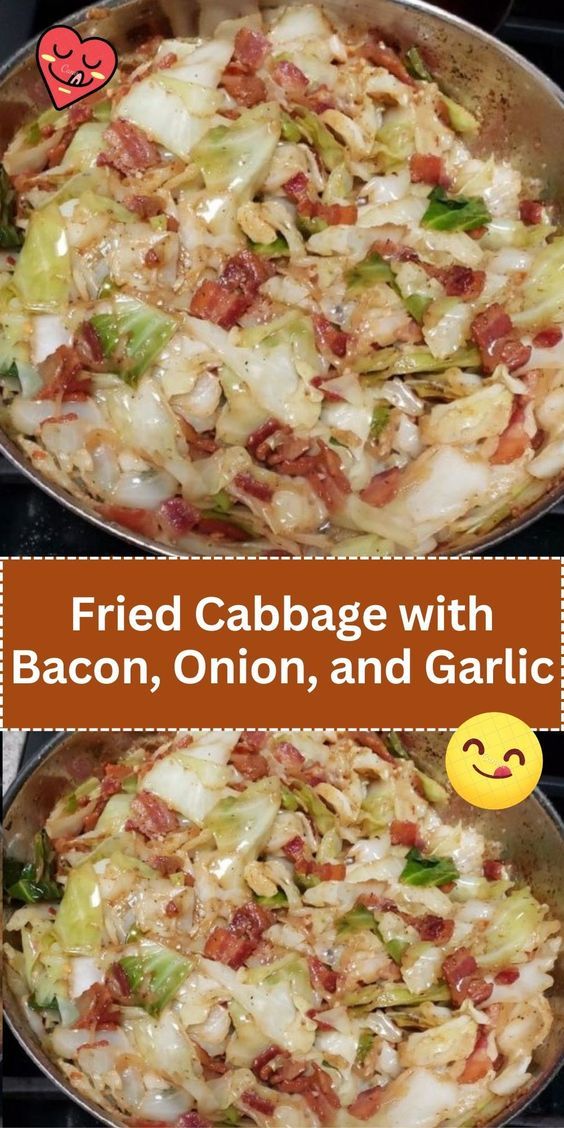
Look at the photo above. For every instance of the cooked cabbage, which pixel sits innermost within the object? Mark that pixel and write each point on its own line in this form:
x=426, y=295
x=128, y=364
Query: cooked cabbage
x=228, y=943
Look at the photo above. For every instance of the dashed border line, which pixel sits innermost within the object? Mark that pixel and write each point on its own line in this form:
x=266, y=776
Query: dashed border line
x=280, y=728
x=287, y=559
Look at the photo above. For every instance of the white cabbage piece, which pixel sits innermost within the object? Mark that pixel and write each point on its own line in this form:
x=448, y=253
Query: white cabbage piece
x=275, y=997
x=187, y=783
x=85, y=147
x=550, y=460
x=418, y=1097
x=241, y=823
x=305, y=27
x=543, y=288
x=478, y=416
x=446, y=326
x=518, y=927
x=174, y=107
x=441, y=1045
x=270, y=374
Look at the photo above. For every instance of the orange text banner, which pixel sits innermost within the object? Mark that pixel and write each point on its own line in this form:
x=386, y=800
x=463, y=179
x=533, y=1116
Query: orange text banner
x=150, y=643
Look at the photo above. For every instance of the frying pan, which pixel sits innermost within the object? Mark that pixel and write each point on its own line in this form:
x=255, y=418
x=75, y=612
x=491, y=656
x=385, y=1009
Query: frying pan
x=522, y=112
x=531, y=835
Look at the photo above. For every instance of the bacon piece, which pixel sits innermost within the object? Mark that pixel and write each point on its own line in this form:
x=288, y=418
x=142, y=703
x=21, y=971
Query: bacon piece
x=322, y=468
x=152, y=257
x=319, y=99
x=177, y=517
x=333, y=214
x=389, y=249
x=128, y=149
x=299, y=191
x=493, y=869
x=250, y=764
x=216, y=1066
x=214, y=302
x=330, y=871
x=459, y=970
x=251, y=48
x=514, y=441
x=290, y=78
x=228, y=948
x=262, y=1066
x=224, y=530
x=246, y=89
x=320, y=1094
x=257, y=440
x=367, y=1103
x=328, y=337
x=233, y=944
x=82, y=112
x=479, y=1063
x=297, y=457
x=493, y=332
x=246, y=271
x=150, y=816
x=253, y=487
x=382, y=488
x=251, y=740
x=225, y=300
x=287, y=448
x=425, y=168
x=171, y=909
x=118, y=984
x=257, y=1103
x=199, y=442
x=88, y=347
x=294, y=848
x=60, y=372
x=279, y=1070
x=404, y=833
x=530, y=212
x=507, y=975
x=141, y=521
x=458, y=281
x=145, y=206
x=97, y=1009
x=289, y=757
x=166, y=864
x=188, y=1120
x=548, y=338
x=433, y=928
x=376, y=744
x=296, y=188
x=379, y=53
x=323, y=978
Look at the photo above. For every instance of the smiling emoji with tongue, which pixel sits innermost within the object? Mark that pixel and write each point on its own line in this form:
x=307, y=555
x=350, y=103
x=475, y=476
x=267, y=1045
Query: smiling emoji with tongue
x=494, y=761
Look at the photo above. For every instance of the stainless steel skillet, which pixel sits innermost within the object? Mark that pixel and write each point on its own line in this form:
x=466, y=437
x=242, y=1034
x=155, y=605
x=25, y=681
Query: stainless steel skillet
x=532, y=836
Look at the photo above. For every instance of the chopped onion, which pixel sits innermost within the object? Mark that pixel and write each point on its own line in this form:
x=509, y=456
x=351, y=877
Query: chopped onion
x=144, y=491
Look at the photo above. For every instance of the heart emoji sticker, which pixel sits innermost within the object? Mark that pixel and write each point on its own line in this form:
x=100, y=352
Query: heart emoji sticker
x=71, y=67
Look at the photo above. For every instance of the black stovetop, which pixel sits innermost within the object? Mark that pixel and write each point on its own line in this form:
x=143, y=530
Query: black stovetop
x=32, y=523
x=32, y=1101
